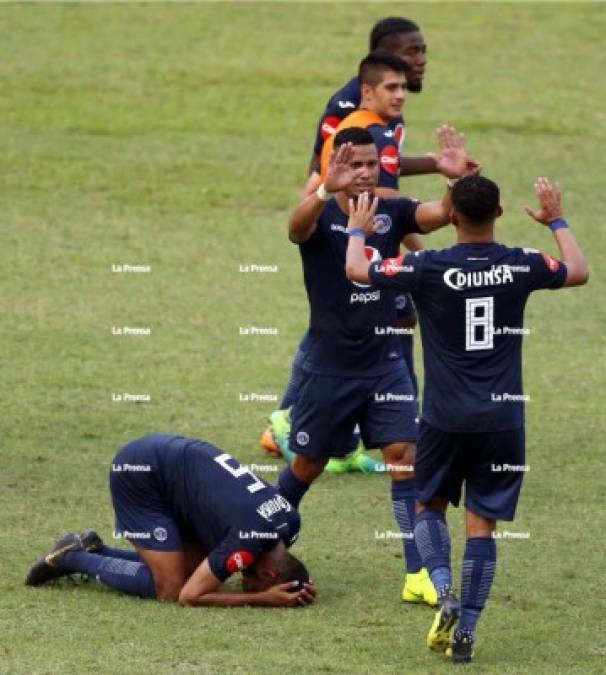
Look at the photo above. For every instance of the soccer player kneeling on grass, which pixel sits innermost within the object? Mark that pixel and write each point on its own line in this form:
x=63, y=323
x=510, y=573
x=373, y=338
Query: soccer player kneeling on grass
x=470, y=299
x=195, y=516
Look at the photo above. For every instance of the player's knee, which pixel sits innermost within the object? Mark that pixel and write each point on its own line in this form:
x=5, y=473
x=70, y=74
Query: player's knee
x=307, y=468
x=434, y=504
x=400, y=457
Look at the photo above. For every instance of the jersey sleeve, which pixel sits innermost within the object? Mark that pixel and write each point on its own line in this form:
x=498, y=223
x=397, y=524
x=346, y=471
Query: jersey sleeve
x=406, y=216
x=402, y=273
x=234, y=554
x=389, y=156
x=544, y=271
x=339, y=106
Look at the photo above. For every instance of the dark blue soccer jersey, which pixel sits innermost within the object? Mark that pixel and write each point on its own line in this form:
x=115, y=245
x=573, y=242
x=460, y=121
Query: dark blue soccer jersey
x=470, y=299
x=216, y=502
x=351, y=329
x=342, y=103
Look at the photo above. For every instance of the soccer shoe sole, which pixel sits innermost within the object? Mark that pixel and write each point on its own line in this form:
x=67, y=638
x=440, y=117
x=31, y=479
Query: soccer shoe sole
x=460, y=654
x=440, y=633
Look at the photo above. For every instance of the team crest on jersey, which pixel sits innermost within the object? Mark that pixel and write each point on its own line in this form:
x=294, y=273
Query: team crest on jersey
x=401, y=302
x=329, y=126
x=390, y=160
x=239, y=561
x=383, y=221
x=160, y=534
x=552, y=264
x=373, y=256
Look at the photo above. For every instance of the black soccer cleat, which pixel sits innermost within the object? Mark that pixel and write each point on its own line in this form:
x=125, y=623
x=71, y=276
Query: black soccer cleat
x=91, y=541
x=50, y=566
x=461, y=648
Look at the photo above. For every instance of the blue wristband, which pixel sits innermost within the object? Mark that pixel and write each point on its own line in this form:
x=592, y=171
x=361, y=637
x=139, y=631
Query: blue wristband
x=558, y=224
x=357, y=232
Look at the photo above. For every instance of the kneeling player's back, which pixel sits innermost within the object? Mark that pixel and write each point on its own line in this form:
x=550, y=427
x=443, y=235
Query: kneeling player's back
x=470, y=299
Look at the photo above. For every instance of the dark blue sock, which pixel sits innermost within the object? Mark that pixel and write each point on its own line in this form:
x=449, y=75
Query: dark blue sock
x=403, y=502
x=433, y=544
x=122, y=553
x=291, y=487
x=127, y=576
x=479, y=565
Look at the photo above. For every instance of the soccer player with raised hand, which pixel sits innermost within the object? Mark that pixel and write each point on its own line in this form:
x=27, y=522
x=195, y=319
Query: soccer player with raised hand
x=470, y=299
x=353, y=371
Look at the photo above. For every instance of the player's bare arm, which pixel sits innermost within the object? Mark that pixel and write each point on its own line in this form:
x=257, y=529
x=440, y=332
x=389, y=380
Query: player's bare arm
x=359, y=226
x=202, y=590
x=550, y=213
x=302, y=223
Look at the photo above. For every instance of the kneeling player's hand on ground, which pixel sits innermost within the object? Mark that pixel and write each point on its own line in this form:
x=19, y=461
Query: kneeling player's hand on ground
x=283, y=595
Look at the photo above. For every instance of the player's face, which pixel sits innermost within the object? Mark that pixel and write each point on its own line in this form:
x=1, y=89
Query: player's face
x=365, y=165
x=387, y=98
x=411, y=48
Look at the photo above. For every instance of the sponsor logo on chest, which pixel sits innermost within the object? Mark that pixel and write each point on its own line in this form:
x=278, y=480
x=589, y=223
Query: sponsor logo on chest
x=497, y=275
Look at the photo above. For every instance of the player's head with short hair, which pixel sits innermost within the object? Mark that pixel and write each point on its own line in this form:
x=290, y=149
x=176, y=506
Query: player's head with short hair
x=374, y=65
x=365, y=160
x=402, y=37
x=274, y=567
x=353, y=135
x=383, y=84
x=475, y=202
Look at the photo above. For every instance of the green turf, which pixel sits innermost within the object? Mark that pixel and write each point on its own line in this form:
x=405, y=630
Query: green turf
x=178, y=136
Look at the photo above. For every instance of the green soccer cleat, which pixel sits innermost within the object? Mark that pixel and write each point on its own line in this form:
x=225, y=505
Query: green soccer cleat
x=336, y=466
x=440, y=633
x=419, y=588
x=360, y=461
x=461, y=648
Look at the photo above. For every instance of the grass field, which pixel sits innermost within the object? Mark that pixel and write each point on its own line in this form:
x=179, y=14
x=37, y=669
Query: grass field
x=177, y=136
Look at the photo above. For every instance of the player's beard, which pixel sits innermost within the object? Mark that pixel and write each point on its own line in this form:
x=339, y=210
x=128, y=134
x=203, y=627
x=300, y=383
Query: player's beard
x=415, y=87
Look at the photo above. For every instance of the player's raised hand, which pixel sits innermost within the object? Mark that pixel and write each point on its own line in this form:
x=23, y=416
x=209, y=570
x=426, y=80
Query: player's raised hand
x=362, y=212
x=550, y=202
x=283, y=595
x=340, y=175
x=453, y=160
